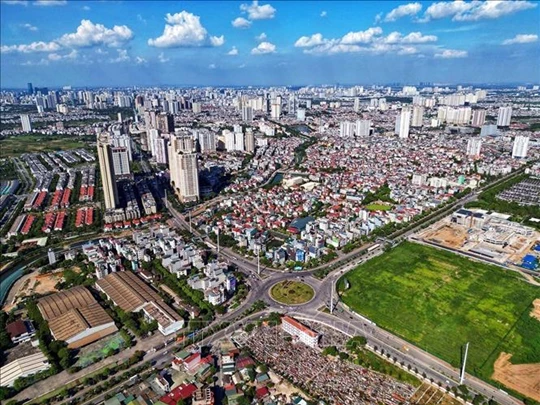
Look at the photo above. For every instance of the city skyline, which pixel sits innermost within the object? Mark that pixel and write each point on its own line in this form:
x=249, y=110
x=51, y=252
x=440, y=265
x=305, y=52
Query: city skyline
x=190, y=43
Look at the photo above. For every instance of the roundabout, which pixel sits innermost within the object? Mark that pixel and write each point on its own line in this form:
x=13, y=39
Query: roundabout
x=291, y=292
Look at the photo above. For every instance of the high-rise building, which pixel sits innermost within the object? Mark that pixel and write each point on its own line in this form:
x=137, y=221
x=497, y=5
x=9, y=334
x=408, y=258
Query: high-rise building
x=474, y=146
x=52, y=256
x=229, y=140
x=106, y=168
x=291, y=107
x=301, y=114
x=160, y=151
x=247, y=114
x=250, y=141
x=196, y=107
x=346, y=129
x=120, y=140
x=402, y=123
x=184, y=173
x=417, y=116
x=363, y=127
x=30, y=88
x=276, y=109
x=504, y=117
x=26, y=124
x=356, y=106
x=478, y=118
x=521, y=147
x=120, y=161
x=165, y=123
x=207, y=141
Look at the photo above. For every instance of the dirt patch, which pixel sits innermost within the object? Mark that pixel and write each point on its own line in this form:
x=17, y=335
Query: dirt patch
x=536, y=309
x=523, y=378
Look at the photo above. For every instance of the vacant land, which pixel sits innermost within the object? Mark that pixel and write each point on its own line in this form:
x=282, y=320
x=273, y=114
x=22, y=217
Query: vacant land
x=15, y=145
x=440, y=301
x=378, y=207
x=428, y=395
x=292, y=292
x=524, y=378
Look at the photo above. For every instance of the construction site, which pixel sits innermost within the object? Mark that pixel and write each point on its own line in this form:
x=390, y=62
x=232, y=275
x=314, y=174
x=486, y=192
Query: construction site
x=486, y=235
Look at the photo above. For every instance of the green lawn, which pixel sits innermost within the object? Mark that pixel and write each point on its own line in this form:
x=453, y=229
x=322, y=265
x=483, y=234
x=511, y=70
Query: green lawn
x=439, y=301
x=15, y=145
x=292, y=292
x=378, y=207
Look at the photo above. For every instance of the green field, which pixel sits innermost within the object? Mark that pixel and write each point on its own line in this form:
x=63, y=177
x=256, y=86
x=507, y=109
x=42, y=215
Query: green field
x=378, y=207
x=292, y=292
x=16, y=145
x=439, y=301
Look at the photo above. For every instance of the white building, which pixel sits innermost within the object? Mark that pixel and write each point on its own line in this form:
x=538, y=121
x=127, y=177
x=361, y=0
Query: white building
x=230, y=144
x=362, y=128
x=184, y=173
x=23, y=367
x=504, y=117
x=478, y=118
x=402, y=123
x=196, y=107
x=120, y=160
x=474, y=146
x=301, y=114
x=521, y=147
x=299, y=331
x=417, y=116
x=25, y=121
x=207, y=141
x=275, y=111
x=346, y=129
x=356, y=104
x=247, y=114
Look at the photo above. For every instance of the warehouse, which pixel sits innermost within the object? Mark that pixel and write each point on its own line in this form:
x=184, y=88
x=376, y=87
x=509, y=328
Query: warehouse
x=75, y=317
x=132, y=294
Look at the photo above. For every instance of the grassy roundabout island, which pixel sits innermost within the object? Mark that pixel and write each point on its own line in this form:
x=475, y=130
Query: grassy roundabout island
x=292, y=292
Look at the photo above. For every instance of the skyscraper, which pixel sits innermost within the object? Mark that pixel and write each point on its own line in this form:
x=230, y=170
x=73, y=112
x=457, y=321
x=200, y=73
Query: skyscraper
x=402, y=123
x=207, y=141
x=521, y=147
x=30, y=88
x=478, y=118
x=184, y=175
x=25, y=121
x=417, y=116
x=276, y=109
x=363, y=127
x=106, y=168
x=474, y=146
x=356, y=104
x=504, y=117
x=247, y=114
x=250, y=141
x=165, y=123
x=120, y=159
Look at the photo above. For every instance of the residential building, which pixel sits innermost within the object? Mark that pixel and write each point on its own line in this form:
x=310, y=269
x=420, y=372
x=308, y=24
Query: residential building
x=363, y=128
x=26, y=124
x=106, y=166
x=299, y=331
x=417, y=116
x=402, y=123
x=250, y=141
x=20, y=331
x=478, y=118
x=504, y=117
x=120, y=158
x=521, y=147
x=184, y=172
x=247, y=114
x=474, y=146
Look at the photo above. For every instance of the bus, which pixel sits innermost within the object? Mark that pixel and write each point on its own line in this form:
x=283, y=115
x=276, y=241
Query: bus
x=375, y=246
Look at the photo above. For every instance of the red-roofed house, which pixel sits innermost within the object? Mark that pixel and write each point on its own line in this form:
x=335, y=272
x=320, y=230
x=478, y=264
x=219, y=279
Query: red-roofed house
x=303, y=333
x=183, y=391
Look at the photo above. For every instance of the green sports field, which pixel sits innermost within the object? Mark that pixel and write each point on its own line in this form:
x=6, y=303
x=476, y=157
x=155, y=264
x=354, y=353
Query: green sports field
x=439, y=301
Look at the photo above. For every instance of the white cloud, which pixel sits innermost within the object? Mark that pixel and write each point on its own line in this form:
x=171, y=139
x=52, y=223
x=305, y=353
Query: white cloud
x=42, y=62
x=521, y=39
x=243, y=65
x=211, y=66
x=233, y=51
x=139, y=60
x=361, y=37
x=38, y=46
x=29, y=27
x=184, y=30
x=324, y=13
x=261, y=38
x=451, y=54
x=54, y=56
x=86, y=8
x=141, y=19
x=162, y=58
x=404, y=10
x=49, y=2
x=368, y=41
x=264, y=48
x=122, y=56
x=241, y=22
x=15, y=2
x=307, y=42
x=476, y=10
x=256, y=12
x=411, y=38
x=89, y=34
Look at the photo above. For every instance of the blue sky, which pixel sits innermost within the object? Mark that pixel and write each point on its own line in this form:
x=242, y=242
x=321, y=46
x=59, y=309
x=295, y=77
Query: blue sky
x=79, y=43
